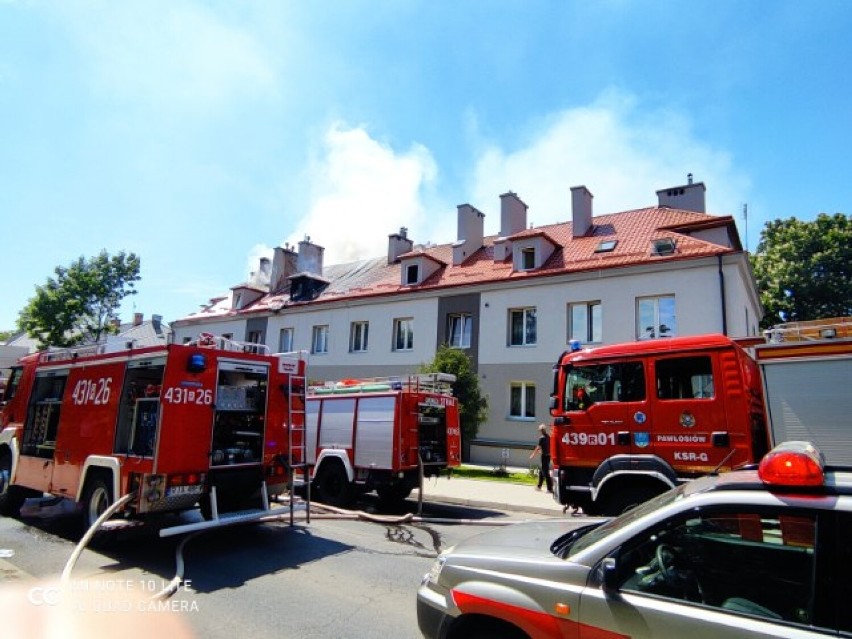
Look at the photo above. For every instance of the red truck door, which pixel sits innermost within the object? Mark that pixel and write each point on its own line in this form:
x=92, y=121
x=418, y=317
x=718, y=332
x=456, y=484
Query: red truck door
x=606, y=404
x=186, y=405
x=689, y=408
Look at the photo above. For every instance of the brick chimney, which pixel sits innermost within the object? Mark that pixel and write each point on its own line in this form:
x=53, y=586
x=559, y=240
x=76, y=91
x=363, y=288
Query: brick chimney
x=398, y=243
x=581, y=210
x=689, y=197
x=513, y=214
x=284, y=261
x=471, y=224
x=310, y=257
x=137, y=319
x=513, y=219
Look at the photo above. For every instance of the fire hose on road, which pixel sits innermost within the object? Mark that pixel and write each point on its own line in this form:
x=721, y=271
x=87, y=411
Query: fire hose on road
x=324, y=512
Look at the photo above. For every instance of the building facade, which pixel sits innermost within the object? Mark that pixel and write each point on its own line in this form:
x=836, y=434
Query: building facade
x=513, y=301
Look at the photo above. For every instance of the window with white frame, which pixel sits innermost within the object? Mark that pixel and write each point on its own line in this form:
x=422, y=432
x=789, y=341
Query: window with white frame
x=403, y=334
x=522, y=326
x=522, y=400
x=358, y=333
x=319, y=339
x=655, y=317
x=285, y=340
x=459, y=326
x=527, y=258
x=585, y=322
x=254, y=337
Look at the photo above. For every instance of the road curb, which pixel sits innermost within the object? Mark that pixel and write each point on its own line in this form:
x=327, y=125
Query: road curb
x=492, y=505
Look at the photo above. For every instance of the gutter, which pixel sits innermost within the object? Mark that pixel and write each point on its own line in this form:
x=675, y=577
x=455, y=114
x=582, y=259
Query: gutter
x=722, y=297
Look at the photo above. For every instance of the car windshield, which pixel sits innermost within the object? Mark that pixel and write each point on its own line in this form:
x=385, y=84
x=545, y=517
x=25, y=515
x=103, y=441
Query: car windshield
x=581, y=538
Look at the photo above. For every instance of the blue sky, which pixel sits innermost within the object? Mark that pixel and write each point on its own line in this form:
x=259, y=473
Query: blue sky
x=201, y=134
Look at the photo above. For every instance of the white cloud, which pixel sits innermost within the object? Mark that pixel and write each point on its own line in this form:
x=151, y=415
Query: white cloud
x=362, y=190
x=621, y=154
x=169, y=53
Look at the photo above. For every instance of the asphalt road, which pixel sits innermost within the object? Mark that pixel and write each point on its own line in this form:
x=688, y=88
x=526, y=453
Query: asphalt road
x=329, y=578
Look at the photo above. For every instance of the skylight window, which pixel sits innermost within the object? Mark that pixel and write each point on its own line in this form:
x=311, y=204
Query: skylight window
x=605, y=246
x=663, y=246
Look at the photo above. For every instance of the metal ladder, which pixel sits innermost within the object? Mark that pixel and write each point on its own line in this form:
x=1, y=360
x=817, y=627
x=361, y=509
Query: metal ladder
x=297, y=444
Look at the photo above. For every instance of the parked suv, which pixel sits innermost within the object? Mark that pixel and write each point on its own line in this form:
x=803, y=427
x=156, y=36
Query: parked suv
x=763, y=552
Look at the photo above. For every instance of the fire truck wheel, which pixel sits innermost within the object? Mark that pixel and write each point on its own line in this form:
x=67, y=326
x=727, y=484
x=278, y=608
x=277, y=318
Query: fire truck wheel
x=618, y=502
x=393, y=494
x=11, y=497
x=333, y=487
x=96, y=499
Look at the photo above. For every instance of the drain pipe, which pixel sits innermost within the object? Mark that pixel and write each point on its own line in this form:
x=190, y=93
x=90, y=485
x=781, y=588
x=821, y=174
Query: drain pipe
x=722, y=297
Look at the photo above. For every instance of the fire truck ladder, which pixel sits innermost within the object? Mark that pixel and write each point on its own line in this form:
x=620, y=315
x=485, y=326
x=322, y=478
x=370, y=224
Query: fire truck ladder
x=297, y=445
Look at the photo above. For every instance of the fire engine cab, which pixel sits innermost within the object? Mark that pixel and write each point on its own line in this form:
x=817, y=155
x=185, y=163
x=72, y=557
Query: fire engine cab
x=381, y=434
x=209, y=423
x=633, y=420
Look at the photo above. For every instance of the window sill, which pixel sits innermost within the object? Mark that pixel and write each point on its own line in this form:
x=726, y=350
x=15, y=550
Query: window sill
x=514, y=418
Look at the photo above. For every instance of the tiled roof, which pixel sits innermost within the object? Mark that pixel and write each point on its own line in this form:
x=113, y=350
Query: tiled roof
x=634, y=231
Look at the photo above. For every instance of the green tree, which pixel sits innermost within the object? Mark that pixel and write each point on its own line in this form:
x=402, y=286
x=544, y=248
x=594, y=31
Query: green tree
x=473, y=407
x=804, y=269
x=5, y=335
x=77, y=306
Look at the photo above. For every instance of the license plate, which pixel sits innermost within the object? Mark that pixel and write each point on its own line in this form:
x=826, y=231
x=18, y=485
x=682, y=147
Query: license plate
x=184, y=490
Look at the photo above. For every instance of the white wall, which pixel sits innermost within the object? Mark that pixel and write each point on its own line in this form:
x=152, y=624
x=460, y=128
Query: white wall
x=236, y=327
x=379, y=347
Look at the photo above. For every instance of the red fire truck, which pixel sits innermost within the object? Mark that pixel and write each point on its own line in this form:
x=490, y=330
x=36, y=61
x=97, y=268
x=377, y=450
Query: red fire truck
x=380, y=434
x=632, y=420
x=204, y=423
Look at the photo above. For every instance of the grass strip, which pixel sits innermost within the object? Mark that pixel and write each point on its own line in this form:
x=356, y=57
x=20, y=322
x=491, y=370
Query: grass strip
x=529, y=477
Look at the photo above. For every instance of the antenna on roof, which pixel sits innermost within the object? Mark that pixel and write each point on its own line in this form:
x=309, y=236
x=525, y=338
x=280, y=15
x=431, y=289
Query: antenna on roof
x=745, y=222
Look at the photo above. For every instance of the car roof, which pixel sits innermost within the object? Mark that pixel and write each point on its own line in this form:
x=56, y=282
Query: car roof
x=838, y=481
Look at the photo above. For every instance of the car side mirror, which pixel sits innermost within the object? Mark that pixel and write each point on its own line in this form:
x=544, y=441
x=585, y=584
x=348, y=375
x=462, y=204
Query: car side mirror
x=609, y=578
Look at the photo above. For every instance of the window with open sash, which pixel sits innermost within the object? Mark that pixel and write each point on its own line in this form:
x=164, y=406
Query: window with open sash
x=403, y=334
x=522, y=327
x=358, y=334
x=459, y=329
